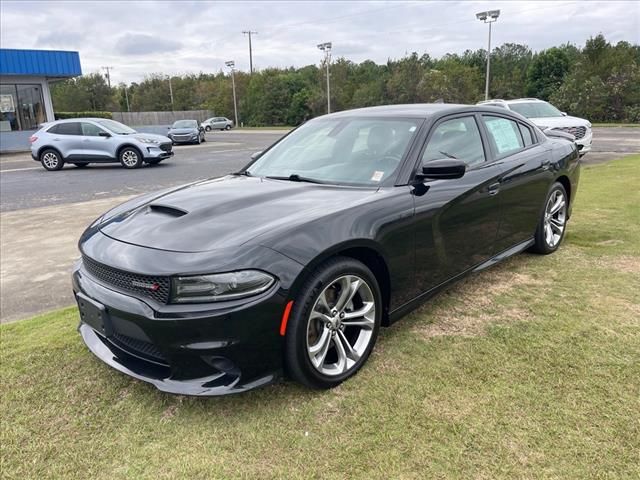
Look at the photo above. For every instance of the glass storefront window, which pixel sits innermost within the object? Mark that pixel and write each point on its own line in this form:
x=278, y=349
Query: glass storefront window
x=21, y=107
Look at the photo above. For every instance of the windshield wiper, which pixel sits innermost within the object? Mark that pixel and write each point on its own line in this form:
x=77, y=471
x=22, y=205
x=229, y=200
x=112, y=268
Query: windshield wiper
x=448, y=155
x=246, y=173
x=294, y=177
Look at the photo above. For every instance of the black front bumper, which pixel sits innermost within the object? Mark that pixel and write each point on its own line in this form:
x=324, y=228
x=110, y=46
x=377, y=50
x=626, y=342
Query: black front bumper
x=215, y=349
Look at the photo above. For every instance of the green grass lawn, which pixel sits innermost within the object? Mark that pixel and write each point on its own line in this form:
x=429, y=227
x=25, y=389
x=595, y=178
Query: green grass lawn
x=613, y=124
x=528, y=370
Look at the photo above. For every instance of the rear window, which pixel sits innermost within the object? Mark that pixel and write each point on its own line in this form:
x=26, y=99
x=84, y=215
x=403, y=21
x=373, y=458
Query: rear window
x=68, y=128
x=504, y=133
x=527, y=137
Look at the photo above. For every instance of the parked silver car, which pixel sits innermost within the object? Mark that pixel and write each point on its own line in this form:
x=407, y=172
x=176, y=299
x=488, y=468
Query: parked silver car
x=186, y=131
x=82, y=141
x=217, y=123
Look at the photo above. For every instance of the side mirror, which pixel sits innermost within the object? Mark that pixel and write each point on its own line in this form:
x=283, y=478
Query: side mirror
x=168, y=128
x=256, y=155
x=104, y=134
x=564, y=114
x=444, y=169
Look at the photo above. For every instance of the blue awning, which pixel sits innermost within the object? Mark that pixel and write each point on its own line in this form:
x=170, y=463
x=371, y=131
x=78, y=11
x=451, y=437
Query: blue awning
x=44, y=63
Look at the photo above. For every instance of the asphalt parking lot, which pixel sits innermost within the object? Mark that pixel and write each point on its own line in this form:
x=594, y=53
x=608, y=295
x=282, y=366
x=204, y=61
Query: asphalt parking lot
x=42, y=214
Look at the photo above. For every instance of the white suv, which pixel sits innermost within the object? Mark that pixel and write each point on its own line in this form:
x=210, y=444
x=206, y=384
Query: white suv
x=546, y=116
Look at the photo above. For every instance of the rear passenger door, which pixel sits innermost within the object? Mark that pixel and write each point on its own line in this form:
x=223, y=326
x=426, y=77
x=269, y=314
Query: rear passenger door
x=526, y=177
x=67, y=138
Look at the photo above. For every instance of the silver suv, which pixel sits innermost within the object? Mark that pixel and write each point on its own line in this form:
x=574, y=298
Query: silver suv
x=82, y=141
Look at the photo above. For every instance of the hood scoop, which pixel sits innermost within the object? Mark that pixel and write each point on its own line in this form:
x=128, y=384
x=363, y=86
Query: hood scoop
x=167, y=210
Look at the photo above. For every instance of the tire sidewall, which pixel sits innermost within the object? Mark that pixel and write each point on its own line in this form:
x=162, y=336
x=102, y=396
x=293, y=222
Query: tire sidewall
x=136, y=151
x=207, y=128
x=541, y=244
x=58, y=166
x=297, y=359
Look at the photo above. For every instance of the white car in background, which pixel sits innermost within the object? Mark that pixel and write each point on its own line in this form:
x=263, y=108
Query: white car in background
x=546, y=116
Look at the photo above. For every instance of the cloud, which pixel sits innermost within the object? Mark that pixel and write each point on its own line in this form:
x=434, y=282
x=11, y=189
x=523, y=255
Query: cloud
x=143, y=44
x=65, y=40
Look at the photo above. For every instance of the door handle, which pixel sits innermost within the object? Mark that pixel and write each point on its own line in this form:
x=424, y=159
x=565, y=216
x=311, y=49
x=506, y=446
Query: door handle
x=494, y=188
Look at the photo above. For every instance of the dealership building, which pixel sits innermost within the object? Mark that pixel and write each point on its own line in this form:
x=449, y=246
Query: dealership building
x=25, y=98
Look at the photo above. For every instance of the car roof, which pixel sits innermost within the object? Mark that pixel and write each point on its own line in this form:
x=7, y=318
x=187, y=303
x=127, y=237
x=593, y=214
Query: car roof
x=515, y=100
x=416, y=110
x=81, y=119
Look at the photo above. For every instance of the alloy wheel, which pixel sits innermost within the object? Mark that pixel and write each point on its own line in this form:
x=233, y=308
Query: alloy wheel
x=555, y=218
x=130, y=158
x=50, y=160
x=341, y=325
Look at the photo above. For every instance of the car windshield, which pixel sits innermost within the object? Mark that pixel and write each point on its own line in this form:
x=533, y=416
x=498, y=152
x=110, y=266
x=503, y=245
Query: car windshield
x=535, y=109
x=185, y=124
x=116, y=127
x=352, y=151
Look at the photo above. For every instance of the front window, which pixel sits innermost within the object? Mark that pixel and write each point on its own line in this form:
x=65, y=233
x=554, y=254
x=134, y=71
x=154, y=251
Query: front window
x=456, y=138
x=116, y=127
x=352, y=151
x=535, y=109
x=185, y=124
x=21, y=107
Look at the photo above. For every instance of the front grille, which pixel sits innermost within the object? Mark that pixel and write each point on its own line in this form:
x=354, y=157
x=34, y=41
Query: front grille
x=577, y=132
x=137, y=347
x=182, y=138
x=166, y=147
x=154, y=287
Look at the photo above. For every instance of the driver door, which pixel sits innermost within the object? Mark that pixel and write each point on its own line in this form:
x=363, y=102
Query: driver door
x=457, y=220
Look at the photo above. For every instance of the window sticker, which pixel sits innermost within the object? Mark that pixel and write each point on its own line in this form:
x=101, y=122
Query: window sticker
x=504, y=135
x=377, y=176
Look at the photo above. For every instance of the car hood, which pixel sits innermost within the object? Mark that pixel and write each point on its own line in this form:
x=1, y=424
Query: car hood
x=151, y=136
x=183, y=131
x=559, y=122
x=225, y=212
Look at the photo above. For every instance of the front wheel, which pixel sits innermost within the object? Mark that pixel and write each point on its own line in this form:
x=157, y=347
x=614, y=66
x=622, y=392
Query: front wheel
x=207, y=128
x=130, y=158
x=334, y=324
x=553, y=221
x=228, y=127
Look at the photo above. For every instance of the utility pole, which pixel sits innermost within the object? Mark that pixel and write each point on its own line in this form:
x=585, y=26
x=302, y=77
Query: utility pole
x=488, y=17
x=170, y=91
x=126, y=97
x=108, y=75
x=231, y=64
x=326, y=48
x=249, y=33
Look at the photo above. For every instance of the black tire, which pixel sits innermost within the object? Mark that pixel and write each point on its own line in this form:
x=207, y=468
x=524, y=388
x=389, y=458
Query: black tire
x=297, y=355
x=228, y=127
x=130, y=158
x=51, y=159
x=207, y=128
x=155, y=161
x=81, y=165
x=545, y=243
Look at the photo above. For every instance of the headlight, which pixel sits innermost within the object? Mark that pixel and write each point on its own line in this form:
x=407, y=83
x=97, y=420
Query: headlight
x=588, y=124
x=149, y=140
x=220, y=286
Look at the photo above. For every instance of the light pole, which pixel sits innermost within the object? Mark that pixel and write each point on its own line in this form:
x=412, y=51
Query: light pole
x=488, y=17
x=108, y=75
x=250, y=32
x=326, y=48
x=231, y=64
x=126, y=97
x=170, y=91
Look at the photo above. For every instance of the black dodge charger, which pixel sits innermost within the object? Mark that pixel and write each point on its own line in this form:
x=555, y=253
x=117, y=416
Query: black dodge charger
x=291, y=265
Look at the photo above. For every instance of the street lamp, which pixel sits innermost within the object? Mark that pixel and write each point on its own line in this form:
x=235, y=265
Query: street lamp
x=488, y=17
x=231, y=64
x=326, y=48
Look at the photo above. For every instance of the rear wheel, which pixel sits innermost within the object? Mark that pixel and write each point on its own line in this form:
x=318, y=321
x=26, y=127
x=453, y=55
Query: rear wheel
x=51, y=160
x=552, y=224
x=334, y=324
x=130, y=158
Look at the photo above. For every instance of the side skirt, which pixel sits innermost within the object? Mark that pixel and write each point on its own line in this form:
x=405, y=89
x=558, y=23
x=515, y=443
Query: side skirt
x=401, y=311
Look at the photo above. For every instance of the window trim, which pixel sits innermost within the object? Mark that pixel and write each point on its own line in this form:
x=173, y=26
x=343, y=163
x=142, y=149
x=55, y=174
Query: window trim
x=453, y=116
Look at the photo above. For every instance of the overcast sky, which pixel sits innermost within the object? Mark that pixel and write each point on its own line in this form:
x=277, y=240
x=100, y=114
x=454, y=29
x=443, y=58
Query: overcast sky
x=139, y=38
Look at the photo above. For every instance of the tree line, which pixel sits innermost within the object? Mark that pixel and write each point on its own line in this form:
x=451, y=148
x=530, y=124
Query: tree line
x=599, y=81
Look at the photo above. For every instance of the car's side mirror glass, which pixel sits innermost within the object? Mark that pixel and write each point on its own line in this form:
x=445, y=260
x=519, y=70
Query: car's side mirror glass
x=443, y=169
x=104, y=134
x=256, y=155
